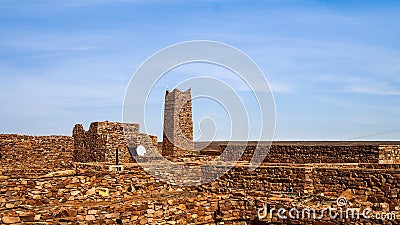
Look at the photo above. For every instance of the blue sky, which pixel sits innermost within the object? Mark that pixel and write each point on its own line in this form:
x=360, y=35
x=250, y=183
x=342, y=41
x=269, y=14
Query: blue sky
x=334, y=66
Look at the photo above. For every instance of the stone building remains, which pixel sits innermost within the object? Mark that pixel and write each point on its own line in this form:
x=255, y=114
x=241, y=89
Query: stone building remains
x=101, y=142
x=178, y=124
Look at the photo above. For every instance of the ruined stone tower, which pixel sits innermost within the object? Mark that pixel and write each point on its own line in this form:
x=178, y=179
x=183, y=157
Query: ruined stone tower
x=178, y=123
x=104, y=139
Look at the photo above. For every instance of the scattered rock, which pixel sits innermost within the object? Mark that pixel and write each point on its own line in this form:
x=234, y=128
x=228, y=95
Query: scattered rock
x=10, y=219
x=90, y=217
x=75, y=193
x=348, y=194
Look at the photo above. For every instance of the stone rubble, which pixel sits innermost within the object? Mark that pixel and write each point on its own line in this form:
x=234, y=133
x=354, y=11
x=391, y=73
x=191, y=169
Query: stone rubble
x=40, y=183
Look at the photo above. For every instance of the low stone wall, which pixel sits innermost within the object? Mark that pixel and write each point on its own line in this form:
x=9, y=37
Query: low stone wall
x=389, y=154
x=22, y=154
x=90, y=194
x=376, y=185
x=102, y=197
x=313, y=153
x=96, y=196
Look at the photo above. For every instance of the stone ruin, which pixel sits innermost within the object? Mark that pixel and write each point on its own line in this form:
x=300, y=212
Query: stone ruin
x=66, y=180
x=178, y=124
x=389, y=154
x=103, y=139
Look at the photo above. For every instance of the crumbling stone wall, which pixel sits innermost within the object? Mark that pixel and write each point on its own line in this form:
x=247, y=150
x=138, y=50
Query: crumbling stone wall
x=27, y=154
x=314, y=153
x=96, y=196
x=101, y=141
x=178, y=124
x=389, y=154
x=91, y=194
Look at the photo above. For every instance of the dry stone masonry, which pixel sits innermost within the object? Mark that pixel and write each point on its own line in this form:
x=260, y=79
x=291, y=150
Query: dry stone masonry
x=23, y=154
x=103, y=139
x=178, y=124
x=66, y=180
x=49, y=187
x=389, y=154
x=322, y=153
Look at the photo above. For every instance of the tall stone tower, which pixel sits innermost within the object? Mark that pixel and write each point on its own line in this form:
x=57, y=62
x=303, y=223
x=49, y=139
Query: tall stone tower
x=178, y=124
